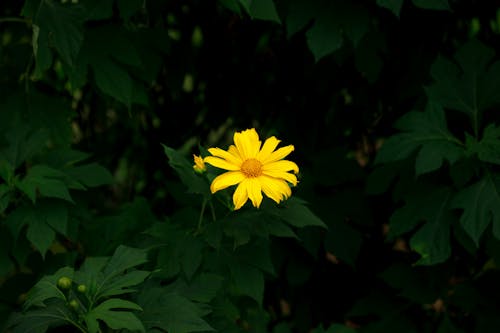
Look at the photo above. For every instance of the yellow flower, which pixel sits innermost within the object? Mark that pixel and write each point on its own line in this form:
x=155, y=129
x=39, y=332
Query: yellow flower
x=256, y=169
x=199, y=165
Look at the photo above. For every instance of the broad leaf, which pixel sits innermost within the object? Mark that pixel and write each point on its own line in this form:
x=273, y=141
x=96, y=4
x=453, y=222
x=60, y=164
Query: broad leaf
x=432, y=239
x=481, y=206
x=184, y=169
x=119, y=319
x=432, y=4
x=427, y=133
x=470, y=85
x=91, y=175
x=47, y=289
x=296, y=213
x=58, y=25
x=39, y=321
x=159, y=309
x=488, y=149
x=248, y=280
x=261, y=9
x=332, y=20
x=393, y=5
x=47, y=181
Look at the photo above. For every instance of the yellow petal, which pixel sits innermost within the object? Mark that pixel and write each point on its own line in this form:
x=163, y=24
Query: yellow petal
x=269, y=146
x=240, y=195
x=254, y=191
x=234, y=151
x=247, y=142
x=279, y=154
x=291, y=178
x=276, y=189
x=225, y=180
x=283, y=165
x=220, y=163
x=225, y=155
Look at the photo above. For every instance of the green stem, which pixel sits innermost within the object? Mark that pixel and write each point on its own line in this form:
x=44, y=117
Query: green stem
x=212, y=210
x=14, y=19
x=202, y=212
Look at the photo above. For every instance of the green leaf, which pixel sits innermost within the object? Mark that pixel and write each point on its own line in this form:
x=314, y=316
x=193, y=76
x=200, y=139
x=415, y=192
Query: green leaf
x=248, y=280
x=159, y=306
x=61, y=26
x=91, y=175
x=432, y=240
x=39, y=321
x=204, y=287
x=471, y=86
x=123, y=259
x=393, y=5
x=427, y=133
x=261, y=9
x=432, y=4
x=23, y=142
x=296, y=213
x=121, y=284
x=343, y=241
x=332, y=19
x=184, y=169
x=43, y=55
x=481, y=206
x=41, y=220
x=46, y=180
x=488, y=149
x=114, y=319
x=47, y=289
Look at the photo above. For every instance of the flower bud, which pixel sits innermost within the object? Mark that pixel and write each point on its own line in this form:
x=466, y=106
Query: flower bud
x=64, y=282
x=81, y=288
x=74, y=304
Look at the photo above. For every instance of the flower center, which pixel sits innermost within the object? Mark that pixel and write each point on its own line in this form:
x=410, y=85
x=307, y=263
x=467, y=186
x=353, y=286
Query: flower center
x=251, y=168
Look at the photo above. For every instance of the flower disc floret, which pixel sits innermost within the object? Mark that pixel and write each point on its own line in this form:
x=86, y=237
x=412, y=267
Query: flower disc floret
x=255, y=167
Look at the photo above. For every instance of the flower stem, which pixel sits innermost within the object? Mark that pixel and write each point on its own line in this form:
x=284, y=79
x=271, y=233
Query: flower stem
x=200, y=219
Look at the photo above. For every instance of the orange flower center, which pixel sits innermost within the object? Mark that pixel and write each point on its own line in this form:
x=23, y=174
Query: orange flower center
x=251, y=168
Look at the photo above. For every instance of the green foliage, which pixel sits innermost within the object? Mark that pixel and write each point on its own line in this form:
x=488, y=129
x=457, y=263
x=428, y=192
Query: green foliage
x=52, y=302
x=391, y=106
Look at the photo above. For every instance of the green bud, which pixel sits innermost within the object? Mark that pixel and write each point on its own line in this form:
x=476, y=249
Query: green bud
x=74, y=304
x=81, y=288
x=64, y=282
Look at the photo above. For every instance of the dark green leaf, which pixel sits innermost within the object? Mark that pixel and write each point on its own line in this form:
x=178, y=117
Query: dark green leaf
x=47, y=289
x=46, y=180
x=63, y=25
x=248, y=280
x=488, y=149
x=39, y=321
x=332, y=20
x=432, y=240
x=296, y=213
x=432, y=4
x=184, y=169
x=393, y=5
x=114, y=319
x=158, y=309
x=91, y=175
x=470, y=87
x=481, y=206
x=261, y=9
x=427, y=133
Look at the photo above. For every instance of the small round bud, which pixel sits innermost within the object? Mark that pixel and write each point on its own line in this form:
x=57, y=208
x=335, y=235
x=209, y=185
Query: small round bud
x=64, y=282
x=81, y=288
x=74, y=1
x=74, y=304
